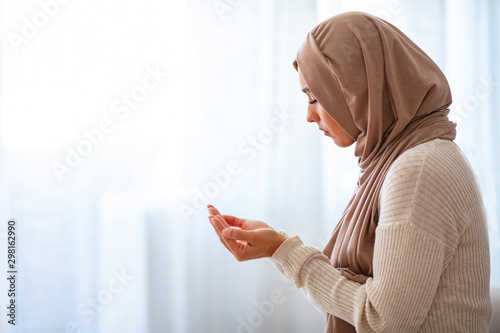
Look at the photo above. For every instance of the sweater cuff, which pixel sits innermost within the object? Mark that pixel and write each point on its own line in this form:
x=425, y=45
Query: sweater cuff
x=290, y=257
x=279, y=256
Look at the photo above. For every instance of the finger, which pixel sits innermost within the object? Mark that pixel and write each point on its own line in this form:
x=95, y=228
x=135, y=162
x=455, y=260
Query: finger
x=213, y=210
x=238, y=247
x=239, y=234
x=222, y=221
x=220, y=236
x=231, y=243
x=234, y=221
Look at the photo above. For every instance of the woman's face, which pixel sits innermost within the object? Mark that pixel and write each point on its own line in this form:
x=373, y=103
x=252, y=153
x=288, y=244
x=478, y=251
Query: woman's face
x=315, y=113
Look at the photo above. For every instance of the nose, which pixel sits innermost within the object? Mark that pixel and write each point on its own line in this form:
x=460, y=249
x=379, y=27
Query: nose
x=312, y=115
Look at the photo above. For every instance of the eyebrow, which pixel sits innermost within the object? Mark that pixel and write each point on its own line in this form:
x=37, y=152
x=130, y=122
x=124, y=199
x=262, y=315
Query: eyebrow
x=306, y=90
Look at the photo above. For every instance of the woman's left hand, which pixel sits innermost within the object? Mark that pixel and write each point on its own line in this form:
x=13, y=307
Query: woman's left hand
x=245, y=239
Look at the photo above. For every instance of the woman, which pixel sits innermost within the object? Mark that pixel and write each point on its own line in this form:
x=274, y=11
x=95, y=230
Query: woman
x=410, y=253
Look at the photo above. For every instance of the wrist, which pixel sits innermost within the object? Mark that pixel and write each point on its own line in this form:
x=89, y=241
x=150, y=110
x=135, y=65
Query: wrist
x=281, y=237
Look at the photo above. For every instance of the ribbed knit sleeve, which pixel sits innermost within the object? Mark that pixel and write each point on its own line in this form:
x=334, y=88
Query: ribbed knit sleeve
x=431, y=259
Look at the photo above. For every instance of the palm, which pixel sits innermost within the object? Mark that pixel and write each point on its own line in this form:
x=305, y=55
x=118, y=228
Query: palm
x=245, y=224
x=253, y=225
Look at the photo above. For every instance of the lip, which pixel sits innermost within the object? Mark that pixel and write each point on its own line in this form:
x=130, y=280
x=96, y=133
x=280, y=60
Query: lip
x=326, y=133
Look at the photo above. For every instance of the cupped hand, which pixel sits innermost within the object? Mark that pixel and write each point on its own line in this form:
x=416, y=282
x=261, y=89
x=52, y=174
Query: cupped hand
x=246, y=239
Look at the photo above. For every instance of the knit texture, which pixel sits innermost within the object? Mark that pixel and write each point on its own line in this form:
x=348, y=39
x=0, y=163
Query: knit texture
x=431, y=264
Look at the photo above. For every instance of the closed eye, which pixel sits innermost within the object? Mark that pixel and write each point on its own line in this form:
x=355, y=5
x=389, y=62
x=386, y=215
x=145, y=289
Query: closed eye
x=313, y=101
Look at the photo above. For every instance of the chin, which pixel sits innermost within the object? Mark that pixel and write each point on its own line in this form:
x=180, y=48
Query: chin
x=342, y=143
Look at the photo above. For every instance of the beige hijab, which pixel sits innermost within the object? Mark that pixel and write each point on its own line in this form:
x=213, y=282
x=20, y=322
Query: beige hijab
x=388, y=96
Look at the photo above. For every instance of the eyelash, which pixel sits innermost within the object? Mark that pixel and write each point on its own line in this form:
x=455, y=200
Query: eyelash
x=313, y=101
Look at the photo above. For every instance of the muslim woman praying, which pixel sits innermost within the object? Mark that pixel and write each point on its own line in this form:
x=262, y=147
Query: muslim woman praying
x=410, y=252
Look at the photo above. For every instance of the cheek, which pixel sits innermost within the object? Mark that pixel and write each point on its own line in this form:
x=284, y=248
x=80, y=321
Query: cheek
x=335, y=130
x=338, y=131
x=328, y=121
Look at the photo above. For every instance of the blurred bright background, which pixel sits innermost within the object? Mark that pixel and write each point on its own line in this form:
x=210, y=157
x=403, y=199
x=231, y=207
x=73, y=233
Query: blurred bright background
x=121, y=120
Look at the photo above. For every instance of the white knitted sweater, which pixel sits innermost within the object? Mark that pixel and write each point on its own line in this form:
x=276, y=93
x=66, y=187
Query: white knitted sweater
x=431, y=264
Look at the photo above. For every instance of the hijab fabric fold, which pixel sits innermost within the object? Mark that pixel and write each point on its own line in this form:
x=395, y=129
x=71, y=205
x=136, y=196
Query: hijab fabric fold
x=388, y=96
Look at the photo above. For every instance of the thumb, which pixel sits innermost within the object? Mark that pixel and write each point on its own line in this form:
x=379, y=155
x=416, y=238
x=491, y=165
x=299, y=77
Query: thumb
x=237, y=233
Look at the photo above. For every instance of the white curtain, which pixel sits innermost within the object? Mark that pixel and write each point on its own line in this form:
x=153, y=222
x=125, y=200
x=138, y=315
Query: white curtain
x=120, y=120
